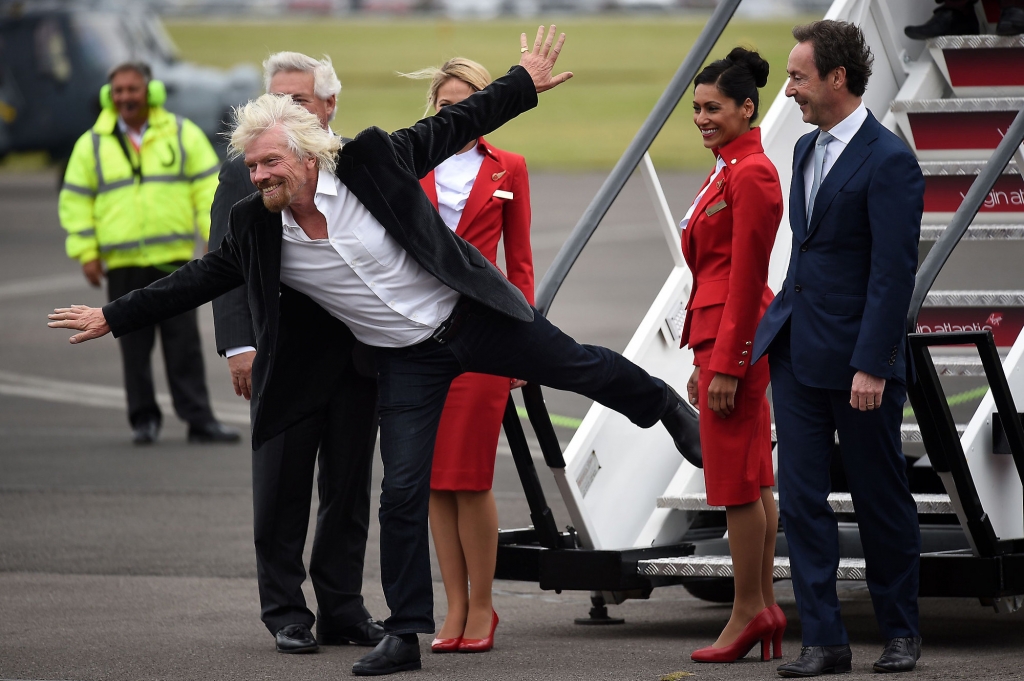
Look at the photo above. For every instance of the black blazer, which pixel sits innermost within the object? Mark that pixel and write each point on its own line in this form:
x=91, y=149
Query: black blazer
x=383, y=172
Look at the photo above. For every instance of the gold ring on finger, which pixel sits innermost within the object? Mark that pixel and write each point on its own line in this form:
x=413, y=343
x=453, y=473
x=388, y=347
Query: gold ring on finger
x=523, y=50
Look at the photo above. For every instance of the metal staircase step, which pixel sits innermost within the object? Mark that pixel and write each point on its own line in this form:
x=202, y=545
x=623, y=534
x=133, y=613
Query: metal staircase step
x=909, y=432
x=721, y=566
x=1009, y=105
x=956, y=128
x=977, y=232
x=956, y=168
x=958, y=365
x=980, y=65
x=978, y=298
x=947, y=182
x=1001, y=312
x=841, y=502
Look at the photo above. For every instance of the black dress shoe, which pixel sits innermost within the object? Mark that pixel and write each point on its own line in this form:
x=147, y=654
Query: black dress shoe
x=900, y=655
x=146, y=433
x=683, y=424
x=1011, y=21
x=213, y=432
x=391, y=655
x=369, y=632
x=817, y=660
x=295, y=638
x=946, y=21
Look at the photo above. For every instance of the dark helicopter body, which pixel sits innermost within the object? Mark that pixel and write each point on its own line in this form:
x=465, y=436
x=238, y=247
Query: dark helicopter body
x=55, y=56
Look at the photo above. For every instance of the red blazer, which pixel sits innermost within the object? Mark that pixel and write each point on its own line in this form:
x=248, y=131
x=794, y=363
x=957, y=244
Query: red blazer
x=487, y=218
x=727, y=244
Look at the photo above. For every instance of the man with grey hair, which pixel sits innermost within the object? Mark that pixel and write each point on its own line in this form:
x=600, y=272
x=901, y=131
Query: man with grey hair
x=365, y=244
x=339, y=431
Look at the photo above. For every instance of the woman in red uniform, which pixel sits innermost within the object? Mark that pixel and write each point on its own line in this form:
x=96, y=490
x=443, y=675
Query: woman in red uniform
x=483, y=194
x=728, y=235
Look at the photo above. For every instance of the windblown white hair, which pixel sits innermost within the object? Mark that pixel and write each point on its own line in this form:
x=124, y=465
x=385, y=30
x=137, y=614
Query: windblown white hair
x=325, y=80
x=303, y=132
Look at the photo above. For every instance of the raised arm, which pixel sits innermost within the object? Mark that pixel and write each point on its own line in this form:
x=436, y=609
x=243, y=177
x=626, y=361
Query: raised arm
x=430, y=141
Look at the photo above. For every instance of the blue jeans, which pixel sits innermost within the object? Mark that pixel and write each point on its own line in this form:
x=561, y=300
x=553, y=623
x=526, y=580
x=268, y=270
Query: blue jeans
x=413, y=383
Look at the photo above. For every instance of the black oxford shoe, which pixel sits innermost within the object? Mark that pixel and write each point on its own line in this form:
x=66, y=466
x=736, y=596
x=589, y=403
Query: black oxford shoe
x=900, y=655
x=213, y=432
x=391, y=655
x=683, y=425
x=945, y=21
x=818, y=660
x=1011, y=21
x=295, y=638
x=145, y=433
x=366, y=633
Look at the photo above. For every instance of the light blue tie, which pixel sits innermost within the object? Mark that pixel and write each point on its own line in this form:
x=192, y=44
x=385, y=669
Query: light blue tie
x=819, y=163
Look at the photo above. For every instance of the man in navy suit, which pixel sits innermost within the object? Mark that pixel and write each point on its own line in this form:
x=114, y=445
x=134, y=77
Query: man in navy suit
x=835, y=337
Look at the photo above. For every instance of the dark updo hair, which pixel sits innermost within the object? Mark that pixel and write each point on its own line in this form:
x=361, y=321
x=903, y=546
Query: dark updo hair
x=738, y=76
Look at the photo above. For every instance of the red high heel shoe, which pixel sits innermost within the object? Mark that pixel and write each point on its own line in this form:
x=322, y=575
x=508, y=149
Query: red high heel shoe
x=761, y=628
x=445, y=645
x=780, y=628
x=480, y=645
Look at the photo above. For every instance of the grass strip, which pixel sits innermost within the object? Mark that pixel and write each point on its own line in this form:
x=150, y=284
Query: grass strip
x=958, y=398
x=621, y=65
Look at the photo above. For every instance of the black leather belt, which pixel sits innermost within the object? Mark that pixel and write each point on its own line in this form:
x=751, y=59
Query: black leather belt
x=450, y=326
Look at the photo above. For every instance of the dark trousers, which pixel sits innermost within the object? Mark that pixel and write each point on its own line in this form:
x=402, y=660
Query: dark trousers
x=413, y=384
x=341, y=437
x=806, y=421
x=183, y=356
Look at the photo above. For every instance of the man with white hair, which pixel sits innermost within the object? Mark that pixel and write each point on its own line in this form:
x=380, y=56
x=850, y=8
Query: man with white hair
x=353, y=230
x=339, y=430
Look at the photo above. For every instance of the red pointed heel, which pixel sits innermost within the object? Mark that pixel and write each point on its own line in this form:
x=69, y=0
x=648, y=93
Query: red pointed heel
x=780, y=629
x=761, y=628
x=480, y=645
x=445, y=645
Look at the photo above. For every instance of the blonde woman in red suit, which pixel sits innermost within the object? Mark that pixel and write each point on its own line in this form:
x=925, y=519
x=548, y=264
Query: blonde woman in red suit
x=728, y=235
x=483, y=194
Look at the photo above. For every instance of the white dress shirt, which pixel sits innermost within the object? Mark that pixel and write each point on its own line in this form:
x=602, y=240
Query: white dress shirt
x=843, y=132
x=689, y=213
x=360, y=274
x=454, y=180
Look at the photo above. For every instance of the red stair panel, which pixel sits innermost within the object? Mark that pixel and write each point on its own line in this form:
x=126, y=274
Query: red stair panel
x=985, y=67
x=960, y=129
x=1004, y=323
x=945, y=193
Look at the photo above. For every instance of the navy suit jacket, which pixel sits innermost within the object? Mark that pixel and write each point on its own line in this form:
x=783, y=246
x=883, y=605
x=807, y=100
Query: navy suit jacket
x=851, y=270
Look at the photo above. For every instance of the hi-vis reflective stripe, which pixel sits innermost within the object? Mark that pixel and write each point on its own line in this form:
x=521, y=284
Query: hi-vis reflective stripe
x=129, y=245
x=181, y=144
x=205, y=173
x=91, y=231
x=96, y=158
x=104, y=187
x=78, y=189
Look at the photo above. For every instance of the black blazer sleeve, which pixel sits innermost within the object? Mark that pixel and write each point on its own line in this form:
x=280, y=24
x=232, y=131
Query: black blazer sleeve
x=426, y=144
x=231, y=317
x=194, y=283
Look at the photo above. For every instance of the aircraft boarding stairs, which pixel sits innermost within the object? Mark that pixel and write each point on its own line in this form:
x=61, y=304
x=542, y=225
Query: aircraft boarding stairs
x=952, y=100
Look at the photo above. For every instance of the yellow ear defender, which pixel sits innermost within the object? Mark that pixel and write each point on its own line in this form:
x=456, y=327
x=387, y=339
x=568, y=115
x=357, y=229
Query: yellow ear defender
x=156, y=95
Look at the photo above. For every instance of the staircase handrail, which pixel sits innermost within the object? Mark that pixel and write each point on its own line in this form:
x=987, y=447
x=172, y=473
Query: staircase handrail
x=630, y=159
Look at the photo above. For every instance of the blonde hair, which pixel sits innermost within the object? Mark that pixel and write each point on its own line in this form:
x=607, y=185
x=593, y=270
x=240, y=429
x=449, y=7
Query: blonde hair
x=305, y=136
x=468, y=71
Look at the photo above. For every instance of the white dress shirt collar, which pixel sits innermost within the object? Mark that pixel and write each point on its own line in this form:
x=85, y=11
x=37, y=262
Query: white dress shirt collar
x=845, y=129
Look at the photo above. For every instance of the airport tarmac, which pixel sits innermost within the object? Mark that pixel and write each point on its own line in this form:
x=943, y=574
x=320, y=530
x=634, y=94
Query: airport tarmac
x=126, y=563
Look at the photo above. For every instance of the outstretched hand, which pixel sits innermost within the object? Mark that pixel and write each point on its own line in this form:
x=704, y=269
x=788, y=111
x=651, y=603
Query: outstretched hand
x=540, y=61
x=89, y=320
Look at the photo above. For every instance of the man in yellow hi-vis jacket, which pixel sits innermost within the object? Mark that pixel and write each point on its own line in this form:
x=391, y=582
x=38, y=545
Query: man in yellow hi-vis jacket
x=138, y=186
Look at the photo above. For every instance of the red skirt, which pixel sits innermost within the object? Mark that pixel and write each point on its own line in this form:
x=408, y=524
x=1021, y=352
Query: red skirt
x=737, y=450
x=467, y=437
